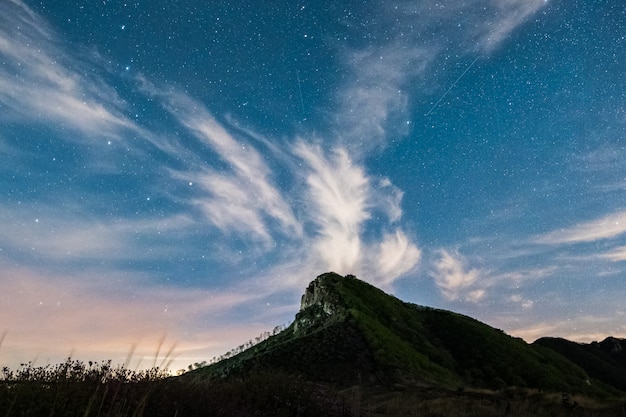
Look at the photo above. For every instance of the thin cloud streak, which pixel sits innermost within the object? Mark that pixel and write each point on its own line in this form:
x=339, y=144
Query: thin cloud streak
x=374, y=106
x=85, y=316
x=616, y=255
x=242, y=199
x=506, y=15
x=55, y=237
x=583, y=329
x=38, y=86
x=607, y=227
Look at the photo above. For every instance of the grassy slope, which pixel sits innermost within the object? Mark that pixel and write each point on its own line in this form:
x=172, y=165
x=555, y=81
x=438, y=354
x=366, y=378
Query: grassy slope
x=596, y=362
x=336, y=353
x=380, y=339
x=450, y=348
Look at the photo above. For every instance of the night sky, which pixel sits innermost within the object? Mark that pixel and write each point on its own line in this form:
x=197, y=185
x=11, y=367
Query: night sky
x=174, y=173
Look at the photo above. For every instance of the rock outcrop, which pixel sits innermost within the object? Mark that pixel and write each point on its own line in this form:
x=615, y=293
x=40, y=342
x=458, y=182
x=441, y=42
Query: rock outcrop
x=319, y=303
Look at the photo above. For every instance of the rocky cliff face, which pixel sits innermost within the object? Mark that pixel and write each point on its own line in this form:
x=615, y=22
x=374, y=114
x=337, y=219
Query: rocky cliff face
x=319, y=303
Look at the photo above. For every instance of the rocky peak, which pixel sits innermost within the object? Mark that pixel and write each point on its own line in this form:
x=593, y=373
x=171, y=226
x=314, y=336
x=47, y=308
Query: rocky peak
x=613, y=345
x=319, y=302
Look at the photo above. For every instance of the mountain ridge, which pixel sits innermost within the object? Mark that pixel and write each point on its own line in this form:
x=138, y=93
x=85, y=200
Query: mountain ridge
x=348, y=332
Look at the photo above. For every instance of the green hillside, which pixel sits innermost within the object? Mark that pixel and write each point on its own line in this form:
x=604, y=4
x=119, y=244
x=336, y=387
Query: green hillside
x=349, y=332
x=601, y=362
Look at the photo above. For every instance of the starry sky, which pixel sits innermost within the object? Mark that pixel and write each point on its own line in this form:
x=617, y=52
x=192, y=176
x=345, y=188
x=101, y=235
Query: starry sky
x=174, y=173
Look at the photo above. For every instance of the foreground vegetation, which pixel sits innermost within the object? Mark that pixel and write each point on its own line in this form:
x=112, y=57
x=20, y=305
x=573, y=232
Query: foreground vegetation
x=74, y=388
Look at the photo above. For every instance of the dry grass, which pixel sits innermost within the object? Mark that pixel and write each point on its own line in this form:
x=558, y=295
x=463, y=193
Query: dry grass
x=425, y=402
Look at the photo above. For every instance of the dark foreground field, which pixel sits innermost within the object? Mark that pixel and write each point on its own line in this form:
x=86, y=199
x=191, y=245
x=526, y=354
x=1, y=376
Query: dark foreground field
x=82, y=389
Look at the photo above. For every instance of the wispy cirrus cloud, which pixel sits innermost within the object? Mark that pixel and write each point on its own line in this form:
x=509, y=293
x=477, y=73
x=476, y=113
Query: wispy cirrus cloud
x=396, y=256
x=607, y=227
x=341, y=198
x=74, y=235
x=41, y=82
x=617, y=254
x=407, y=43
x=87, y=318
x=339, y=195
x=375, y=104
x=500, y=272
x=501, y=18
x=244, y=198
x=525, y=303
x=455, y=279
x=324, y=210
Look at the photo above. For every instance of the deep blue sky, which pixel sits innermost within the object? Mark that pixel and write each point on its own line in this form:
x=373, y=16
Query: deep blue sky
x=179, y=171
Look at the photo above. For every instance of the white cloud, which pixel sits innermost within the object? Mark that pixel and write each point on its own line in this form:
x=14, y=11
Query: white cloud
x=518, y=276
x=607, y=227
x=38, y=84
x=391, y=199
x=72, y=235
x=230, y=205
x=616, y=255
x=244, y=198
x=396, y=256
x=525, y=303
x=340, y=200
x=506, y=16
x=338, y=204
x=455, y=280
x=475, y=296
x=377, y=99
x=373, y=106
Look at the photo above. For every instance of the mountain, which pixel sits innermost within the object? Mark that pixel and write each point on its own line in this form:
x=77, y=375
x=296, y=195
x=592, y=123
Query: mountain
x=352, y=351
x=604, y=361
x=350, y=333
